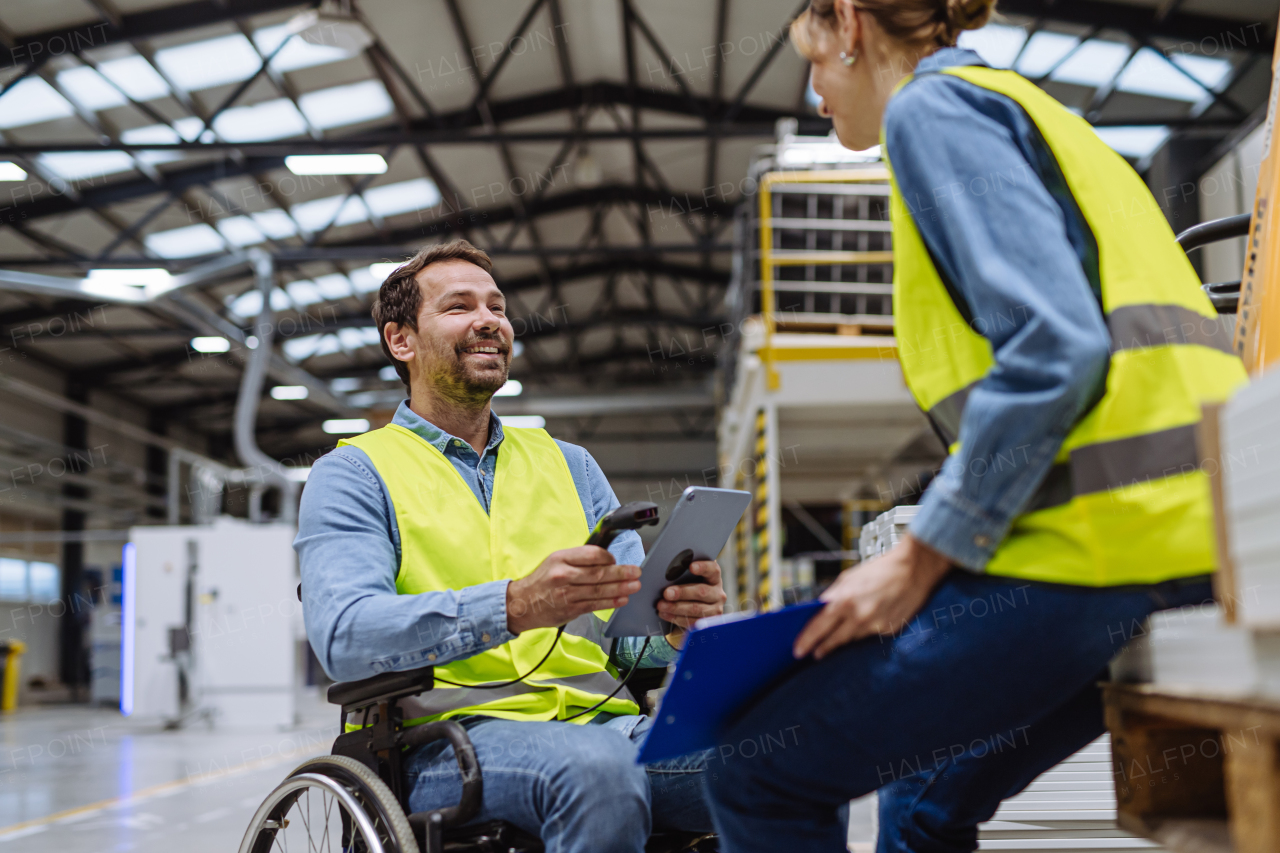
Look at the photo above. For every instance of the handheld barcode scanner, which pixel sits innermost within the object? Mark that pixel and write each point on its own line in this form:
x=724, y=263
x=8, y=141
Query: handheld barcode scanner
x=630, y=516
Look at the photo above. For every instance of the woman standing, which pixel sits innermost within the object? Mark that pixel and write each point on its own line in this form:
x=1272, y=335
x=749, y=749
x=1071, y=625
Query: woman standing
x=1056, y=336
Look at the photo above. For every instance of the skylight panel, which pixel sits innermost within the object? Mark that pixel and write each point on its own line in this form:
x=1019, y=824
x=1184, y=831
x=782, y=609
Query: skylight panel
x=1209, y=71
x=162, y=133
x=365, y=280
x=303, y=293
x=298, y=53
x=314, y=215
x=1044, y=51
x=136, y=77
x=33, y=100
x=995, y=43
x=359, y=338
x=249, y=303
x=90, y=89
x=343, y=105
x=1094, y=64
x=185, y=242
x=403, y=197
x=208, y=63
x=268, y=120
x=1134, y=142
x=187, y=130
x=311, y=346
x=79, y=165
x=275, y=223
x=240, y=231
x=333, y=286
x=1151, y=74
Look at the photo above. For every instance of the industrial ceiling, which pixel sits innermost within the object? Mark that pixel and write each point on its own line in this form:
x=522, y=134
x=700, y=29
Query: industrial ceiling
x=596, y=148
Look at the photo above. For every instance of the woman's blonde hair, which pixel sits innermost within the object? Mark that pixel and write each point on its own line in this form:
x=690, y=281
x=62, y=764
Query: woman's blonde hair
x=918, y=23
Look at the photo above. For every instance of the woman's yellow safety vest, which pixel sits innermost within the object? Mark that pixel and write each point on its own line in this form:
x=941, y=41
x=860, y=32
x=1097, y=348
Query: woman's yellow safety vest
x=447, y=541
x=1127, y=501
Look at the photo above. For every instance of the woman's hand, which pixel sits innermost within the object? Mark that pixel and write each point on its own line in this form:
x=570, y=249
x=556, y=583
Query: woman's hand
x=685, y=604
x=876, y=597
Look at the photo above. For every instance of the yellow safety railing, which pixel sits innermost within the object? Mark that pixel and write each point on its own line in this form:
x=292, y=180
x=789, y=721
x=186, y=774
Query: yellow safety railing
x=770, y=257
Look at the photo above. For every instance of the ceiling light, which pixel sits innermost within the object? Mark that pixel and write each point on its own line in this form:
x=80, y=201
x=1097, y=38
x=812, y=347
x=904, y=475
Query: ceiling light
x=11, y=171
x=336, y=164
x=525, y=421
x=289, y=392
x=512, y=388
x=516, y=349
x=344, y=384
x=152, y=277
x=388, y=374
x=298, y=475
x=330, y=30
x=345, y=426
x=210, y=344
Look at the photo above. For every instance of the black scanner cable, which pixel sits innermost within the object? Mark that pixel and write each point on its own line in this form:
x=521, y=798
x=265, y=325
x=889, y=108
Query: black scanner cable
x=630, y=516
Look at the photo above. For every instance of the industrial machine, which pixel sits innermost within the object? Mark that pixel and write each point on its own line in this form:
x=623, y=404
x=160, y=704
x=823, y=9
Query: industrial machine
x=211, y=625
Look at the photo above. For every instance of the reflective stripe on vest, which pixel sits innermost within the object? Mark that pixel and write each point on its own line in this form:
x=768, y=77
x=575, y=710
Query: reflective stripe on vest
x=1126, y=500
x=1131, y=327
x=447, y=541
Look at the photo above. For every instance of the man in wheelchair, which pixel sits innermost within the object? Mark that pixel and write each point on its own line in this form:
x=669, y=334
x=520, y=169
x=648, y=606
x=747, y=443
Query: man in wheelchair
x=445, y=539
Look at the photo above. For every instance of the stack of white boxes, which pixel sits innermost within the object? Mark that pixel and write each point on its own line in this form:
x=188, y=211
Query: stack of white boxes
x=886, y=531
x=1195, y=647
x=1070, y=807
x=1250, y=433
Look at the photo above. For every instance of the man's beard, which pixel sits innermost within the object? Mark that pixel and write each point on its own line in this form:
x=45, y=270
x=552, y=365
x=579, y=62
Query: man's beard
x=464, y=384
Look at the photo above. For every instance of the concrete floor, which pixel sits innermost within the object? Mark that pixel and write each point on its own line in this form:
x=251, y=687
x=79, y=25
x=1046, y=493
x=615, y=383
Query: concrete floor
x=83, y=780
x=75, y=779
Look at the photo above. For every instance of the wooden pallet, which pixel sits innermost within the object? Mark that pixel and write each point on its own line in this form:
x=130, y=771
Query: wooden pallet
x=1196, y=772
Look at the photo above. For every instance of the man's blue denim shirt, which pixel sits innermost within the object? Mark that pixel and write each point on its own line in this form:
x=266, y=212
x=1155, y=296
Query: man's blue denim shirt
x=994, y=210
x=348, y=548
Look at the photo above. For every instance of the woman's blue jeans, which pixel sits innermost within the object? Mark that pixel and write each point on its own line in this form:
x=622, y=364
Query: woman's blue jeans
x=991, y=684
x=578, y=787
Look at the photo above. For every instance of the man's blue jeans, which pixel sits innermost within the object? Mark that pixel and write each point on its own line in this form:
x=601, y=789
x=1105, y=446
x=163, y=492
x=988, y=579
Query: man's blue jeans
x=577, y=787
x=991, y=684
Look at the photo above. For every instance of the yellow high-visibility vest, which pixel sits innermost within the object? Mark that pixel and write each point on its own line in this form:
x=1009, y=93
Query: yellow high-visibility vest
x=447, y=541
x=1127, y=501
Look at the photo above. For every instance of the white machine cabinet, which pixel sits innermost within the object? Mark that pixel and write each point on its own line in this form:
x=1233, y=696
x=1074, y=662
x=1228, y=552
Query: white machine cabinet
x=215, y=619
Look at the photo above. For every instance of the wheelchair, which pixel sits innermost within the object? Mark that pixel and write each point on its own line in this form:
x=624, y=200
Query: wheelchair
x=355, y=799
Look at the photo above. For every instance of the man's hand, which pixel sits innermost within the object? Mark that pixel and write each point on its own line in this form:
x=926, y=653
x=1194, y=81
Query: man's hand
x=876, y=597
x=568, y=584
x=685, y=604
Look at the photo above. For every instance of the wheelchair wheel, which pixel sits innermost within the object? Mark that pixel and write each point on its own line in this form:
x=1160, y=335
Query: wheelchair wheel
x=330, y=804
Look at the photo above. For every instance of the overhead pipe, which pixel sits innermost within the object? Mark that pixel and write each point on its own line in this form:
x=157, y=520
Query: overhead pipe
x=255, y=373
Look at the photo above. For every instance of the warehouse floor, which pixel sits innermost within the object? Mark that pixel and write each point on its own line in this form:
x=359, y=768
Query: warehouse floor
x=86, y=780
x=76, y=779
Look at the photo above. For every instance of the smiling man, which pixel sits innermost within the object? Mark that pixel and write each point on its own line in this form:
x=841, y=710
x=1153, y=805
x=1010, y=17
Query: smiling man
x=447, y=539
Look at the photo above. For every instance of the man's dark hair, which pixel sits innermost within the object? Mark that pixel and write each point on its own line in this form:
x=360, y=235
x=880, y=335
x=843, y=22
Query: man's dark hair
x=400, y=297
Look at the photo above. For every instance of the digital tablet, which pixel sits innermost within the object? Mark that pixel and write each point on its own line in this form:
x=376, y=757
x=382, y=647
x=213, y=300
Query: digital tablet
x=699, y=526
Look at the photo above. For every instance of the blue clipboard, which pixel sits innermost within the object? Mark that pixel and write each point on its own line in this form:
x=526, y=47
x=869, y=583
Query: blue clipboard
x=725, y=663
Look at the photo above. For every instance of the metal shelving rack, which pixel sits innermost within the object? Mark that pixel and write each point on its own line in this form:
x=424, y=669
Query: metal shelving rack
x=814, y=265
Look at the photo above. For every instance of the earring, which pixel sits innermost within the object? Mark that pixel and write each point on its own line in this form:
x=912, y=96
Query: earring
x=849, y=59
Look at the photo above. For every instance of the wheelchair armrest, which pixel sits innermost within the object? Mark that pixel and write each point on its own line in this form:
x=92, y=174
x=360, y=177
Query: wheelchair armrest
x=387, y=687
x=468, y=767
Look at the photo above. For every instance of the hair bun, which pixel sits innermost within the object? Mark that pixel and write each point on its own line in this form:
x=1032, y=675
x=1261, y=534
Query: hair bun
x=968, y=14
